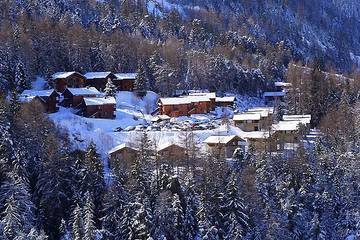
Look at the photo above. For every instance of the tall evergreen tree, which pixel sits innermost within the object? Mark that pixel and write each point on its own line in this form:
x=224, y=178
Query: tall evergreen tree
x=141, y=81
x=235, y=215
x=89, y=218
x=21, y=80
x=18, y=212
x=110, y=89
x=77, y=223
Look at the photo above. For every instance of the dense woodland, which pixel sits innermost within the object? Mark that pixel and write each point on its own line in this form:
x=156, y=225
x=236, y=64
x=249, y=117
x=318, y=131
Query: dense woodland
x=51, y=191
x=48, y=190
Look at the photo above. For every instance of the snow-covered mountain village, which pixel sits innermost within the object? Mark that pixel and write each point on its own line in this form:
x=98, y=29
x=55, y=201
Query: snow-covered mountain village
x=103, y=107
x=179, y=120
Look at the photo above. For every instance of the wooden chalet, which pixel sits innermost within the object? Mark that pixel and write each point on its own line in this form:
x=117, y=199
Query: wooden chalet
x=98, y=80
x=124, y=154
x=210, y=95
x=184, y=106
x=125, y=81
x=174, y=107
x=73, y=97
x=47, y=98
x=171, y=152
x=99, y=107
x=266, y=116
x=225, y=101
x=199, y=104
x=248, y=122
x=225, y=145
x=274, y=97
x=286, y=133
x=260, y=141
x=63, y=80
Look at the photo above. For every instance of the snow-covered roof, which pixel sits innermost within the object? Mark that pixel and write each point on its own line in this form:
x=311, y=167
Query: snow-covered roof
x=99, y=101
x=304, y=119
x=63, y=74
x=263, y=113
x=191, y=91
x=270, y=110
x=197, y=98
x=256, y=135
x=219, y=139
x=39, y=93
x=125, y=76
x=274, y=94
x=167, y=145
x=225, y=99
x=210, y=95
x=122, y=146
x=296, y=117
x=282, y=84
x=286, y=126
x=247, y=116
x=84, y=91
x=95, y=75
x=174, y=101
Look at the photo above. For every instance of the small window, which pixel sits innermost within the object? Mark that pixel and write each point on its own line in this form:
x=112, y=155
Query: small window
x=256, y=128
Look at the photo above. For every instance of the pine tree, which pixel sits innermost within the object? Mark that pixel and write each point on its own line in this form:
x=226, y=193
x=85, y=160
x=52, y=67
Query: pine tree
x=206, y=229
x=65, y=234
x=21, y=80
x=116, y=211
x=125, y=229
x=93, y=173
x=235, y=215
x=190, y=220
x=141, y=82
x=140, y=222
x=77, y=223
x=18, y=212
x=110, y=89
x=177, y=216
x=89, y=222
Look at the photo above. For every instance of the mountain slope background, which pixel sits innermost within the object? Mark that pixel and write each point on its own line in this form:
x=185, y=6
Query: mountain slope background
x=181, y=43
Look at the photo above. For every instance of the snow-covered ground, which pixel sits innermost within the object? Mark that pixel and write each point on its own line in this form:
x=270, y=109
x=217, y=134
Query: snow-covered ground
x=133, y=111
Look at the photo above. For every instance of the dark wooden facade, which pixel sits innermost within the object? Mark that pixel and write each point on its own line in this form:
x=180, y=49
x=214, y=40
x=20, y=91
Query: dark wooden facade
x=71, y=80
x=51, y=102
x=125, y=84
x=100, y=82
x=49, y=99
x=106, y=111
x=74, y=100
x=172, y=152
x=200, y=107
x=177, y=107
x=123, y=155
x=175, y=110
x=227, y=148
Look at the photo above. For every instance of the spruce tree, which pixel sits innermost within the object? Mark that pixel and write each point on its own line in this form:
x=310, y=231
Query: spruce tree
x=190, y=220
x=110, y=89
x=178, y=218
x=18, y=212
x=21, y=80
x=93, y=174
x=140, y=222
x=116, y=212
x=77, y=223
x=89, y=222
x=235, y=214
x=141, y=82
